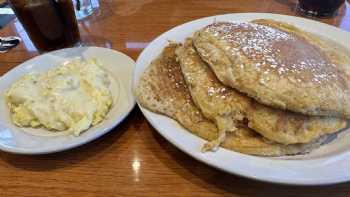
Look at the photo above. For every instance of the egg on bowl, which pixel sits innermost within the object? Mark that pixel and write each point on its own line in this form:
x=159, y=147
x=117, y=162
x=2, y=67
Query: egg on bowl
x=71, y=97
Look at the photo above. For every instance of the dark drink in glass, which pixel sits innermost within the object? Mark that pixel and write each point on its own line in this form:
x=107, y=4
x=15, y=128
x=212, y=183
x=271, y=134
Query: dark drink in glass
x=50, y=24
x=319, y=8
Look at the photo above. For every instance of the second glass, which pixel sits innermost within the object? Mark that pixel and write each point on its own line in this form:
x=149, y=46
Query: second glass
x=319, y=8
x=83, y=9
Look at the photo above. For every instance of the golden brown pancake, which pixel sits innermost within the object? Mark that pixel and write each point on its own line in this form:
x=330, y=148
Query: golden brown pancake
x=278, y=65
x=228, y=107
x=162, y=89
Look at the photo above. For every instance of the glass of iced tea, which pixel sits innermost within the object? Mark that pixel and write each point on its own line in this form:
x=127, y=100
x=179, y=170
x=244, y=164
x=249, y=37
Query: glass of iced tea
x=319, y=8
x=50, y=24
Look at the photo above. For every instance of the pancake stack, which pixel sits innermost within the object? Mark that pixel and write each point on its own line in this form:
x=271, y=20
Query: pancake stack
x=262, y=88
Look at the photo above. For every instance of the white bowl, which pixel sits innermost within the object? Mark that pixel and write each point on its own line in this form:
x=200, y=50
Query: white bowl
x=33, y=141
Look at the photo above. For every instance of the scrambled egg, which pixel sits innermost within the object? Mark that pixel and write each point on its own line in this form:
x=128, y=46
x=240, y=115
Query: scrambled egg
x=73, y=97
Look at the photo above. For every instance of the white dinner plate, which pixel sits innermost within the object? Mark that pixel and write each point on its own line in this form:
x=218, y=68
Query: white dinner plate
x=40, y=141
x=326, y=165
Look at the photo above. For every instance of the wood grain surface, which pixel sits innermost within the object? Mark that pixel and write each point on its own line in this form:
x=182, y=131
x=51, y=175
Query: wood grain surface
x=133, y=159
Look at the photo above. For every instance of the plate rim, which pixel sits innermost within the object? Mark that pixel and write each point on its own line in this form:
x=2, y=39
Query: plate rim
x=148, y=117
x=99, y=133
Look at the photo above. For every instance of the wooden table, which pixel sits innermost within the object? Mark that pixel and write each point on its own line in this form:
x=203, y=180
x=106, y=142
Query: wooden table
x=134, y=160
